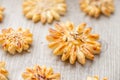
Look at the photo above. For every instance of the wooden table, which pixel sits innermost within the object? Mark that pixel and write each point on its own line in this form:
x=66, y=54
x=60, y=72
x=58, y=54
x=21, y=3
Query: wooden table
x=106, y=64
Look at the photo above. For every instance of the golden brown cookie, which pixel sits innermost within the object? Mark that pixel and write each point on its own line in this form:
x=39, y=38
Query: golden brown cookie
x=15, y=40
x=44, y=10
x=3, y=71
x=95, y=78
x=96, y=7
x=40, y=73
x=1, y=13
x=73, y=43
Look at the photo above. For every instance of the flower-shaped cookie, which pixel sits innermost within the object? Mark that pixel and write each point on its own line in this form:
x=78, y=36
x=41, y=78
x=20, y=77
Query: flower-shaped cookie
x=1, y=13
x=95, y=7
x=44, y=10
x=95, y=78
x=40, y=73
x=3, y=71
x=15, y=40
x=73, y=44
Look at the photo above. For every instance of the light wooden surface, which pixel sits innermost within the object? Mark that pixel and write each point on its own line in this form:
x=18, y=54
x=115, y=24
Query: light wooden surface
x=106, y=64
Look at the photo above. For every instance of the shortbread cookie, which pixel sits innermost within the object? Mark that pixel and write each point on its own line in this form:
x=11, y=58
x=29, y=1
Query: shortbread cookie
x=73, y=44
x=1, y=13
x=95, y=7
x=44, y=10
x=95, y=78
x=15, y=41
x=40, y=73
x=3, y=71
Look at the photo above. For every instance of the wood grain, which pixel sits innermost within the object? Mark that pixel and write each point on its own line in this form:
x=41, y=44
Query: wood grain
x=106, y=64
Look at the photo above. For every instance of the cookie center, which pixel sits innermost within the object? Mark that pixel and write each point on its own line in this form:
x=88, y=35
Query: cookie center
x=76, y=38
x=96, y=3
x=15, y=37
x=41, y=77
x=45, y=5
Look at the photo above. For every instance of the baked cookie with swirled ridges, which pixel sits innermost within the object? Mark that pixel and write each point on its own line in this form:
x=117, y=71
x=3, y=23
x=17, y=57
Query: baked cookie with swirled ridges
x=73, y=43
x=96, y=7
x=44, y=10
x=15, y=41
x=3, y=71
x=1, y=13
x=40, y=73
